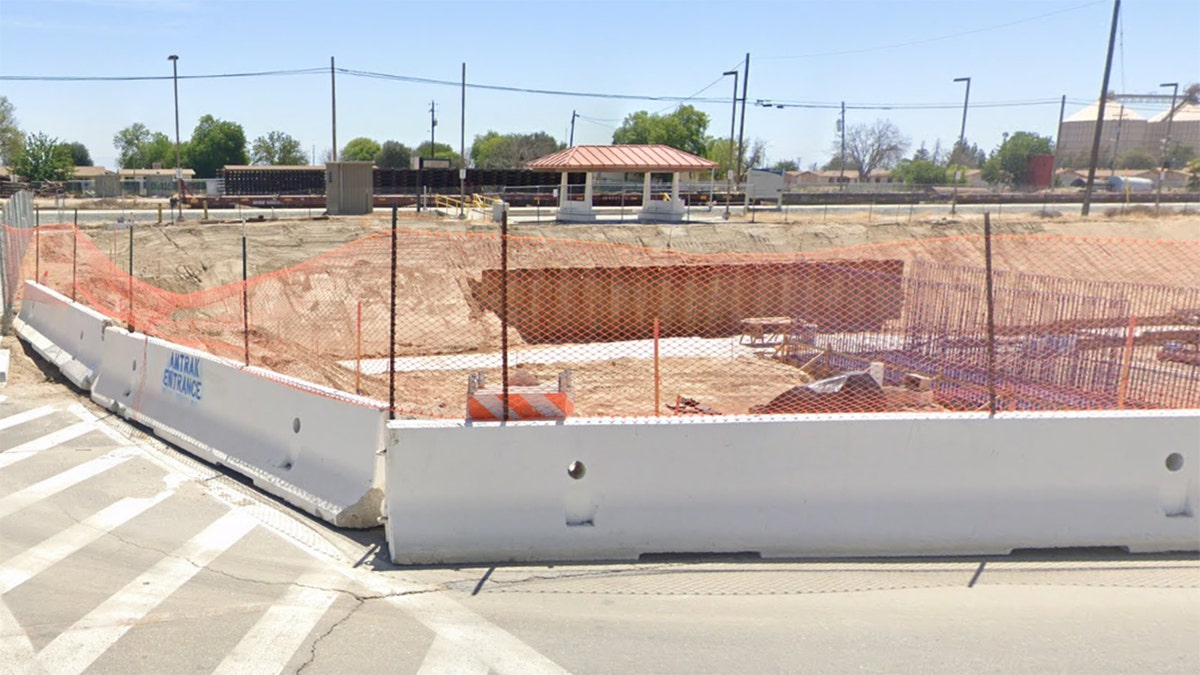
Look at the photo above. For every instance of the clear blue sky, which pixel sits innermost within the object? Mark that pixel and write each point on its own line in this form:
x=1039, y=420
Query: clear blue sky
x=892, y=52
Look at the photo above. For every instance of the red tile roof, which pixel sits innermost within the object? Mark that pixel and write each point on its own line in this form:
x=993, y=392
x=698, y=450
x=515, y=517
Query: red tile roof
x=639, y=158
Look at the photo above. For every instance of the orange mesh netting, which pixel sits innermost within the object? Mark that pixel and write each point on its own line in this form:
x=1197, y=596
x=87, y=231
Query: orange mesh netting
x=1078, y=323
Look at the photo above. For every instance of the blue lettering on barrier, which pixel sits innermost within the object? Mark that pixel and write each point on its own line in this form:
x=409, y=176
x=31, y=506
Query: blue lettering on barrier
x=182, y=376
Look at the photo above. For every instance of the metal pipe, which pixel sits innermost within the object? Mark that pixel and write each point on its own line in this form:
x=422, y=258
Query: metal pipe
x=333, y=105
x=504, y=314
x=392, y=329
x=991, y=313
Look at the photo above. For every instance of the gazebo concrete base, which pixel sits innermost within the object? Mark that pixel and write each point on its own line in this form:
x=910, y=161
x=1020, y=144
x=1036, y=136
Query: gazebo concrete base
x=663, y=212
x=575, y=212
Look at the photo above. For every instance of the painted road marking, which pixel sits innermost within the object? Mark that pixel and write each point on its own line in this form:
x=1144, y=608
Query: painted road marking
x=55, y=484
x=27, y=416
x=272, y=642
x=37, y=559
x=80, y=645
x=51, y=440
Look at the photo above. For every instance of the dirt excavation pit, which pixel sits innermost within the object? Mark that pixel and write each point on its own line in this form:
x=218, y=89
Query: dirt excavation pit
x=438, y=315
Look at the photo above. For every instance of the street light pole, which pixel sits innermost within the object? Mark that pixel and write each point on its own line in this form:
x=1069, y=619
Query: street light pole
x=1166, y=144
x=962, y=135
x=732, y=119
x=174, y=59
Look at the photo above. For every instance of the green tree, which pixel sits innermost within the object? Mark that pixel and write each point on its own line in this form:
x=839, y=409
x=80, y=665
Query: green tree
x=1179, y=156
x=79, y=154
x=786, y=165
x=394, y=155
x=215, y=143
x=511, y=151
x=1137, y=158
x=920, y=172
x=968, y=155
x=1007, y=164
x=871, y=146
x=684, y=129
x=361, y=149
x=43, y=158
x=277, y=148
x=139, y=148
x=752, y=155
x=11, y=138
x=440, y=151
x=1193, y=171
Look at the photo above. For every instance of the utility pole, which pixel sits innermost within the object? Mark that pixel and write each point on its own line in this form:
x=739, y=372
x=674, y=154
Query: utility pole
x=432, y=127
x=1091, y=179
x=571, y=143
x=841, y=125
x=742, y=122
x=333, y=104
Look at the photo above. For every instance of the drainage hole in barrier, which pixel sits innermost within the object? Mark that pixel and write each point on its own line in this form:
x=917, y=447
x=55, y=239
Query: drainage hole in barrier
x=135, y=366
x=576, y=469
x=296, y=425
x=286, y=466
x=80, y=335
x=1174, y=461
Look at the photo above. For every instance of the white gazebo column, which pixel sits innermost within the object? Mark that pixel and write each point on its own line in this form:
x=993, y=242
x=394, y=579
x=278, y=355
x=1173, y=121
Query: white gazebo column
x=587, y=190
x=675, y=186
x=646, y=189
x=562, y=191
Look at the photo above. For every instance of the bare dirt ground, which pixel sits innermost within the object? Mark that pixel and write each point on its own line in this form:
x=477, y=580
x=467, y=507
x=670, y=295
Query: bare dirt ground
x=188, y=258
x=185, y=259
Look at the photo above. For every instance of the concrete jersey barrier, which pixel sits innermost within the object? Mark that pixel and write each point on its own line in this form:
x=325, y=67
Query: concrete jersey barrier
x=65, y=333
x=851, y=485
x=316, y=448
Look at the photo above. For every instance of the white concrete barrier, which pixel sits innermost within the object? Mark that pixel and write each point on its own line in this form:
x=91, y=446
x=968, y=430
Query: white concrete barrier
x=853, y=485
x=316, y=448
x=65, y=333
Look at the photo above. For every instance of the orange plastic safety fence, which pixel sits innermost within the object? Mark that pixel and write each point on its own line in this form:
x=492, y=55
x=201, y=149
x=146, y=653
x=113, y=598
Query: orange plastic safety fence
x=1075, y=323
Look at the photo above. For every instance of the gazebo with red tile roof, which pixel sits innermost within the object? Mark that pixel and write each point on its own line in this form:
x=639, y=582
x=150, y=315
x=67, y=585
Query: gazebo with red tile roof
x=645, y=159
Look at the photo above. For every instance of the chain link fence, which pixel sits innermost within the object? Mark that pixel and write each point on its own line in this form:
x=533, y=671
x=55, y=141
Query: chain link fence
x=507, y=323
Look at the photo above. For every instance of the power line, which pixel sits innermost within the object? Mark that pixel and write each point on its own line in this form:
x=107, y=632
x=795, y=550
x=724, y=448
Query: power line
x=144, y=78
x=675, y=100
x=949, y=36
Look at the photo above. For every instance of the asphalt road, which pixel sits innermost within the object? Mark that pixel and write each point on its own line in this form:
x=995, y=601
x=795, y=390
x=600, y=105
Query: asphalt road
x=119, y=554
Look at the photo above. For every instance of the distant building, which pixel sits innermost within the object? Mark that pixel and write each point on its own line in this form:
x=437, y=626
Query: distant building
x=1124, y=130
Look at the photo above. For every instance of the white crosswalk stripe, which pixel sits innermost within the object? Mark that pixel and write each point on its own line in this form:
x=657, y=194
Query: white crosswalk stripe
x=270, y=644
x=37, y=559
x=80, y=645
x=51, y=440
x=107, y=634
x=27, y=416
x=55, y=484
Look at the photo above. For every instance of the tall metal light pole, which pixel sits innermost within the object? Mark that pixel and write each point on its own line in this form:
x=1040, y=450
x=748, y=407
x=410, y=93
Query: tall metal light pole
x=841, y=127
x=1091, y=179
x=178, y=167
x=732, y=119
x=1166, y=144
x=432, y=127
x=962, y=136
x=571, y=142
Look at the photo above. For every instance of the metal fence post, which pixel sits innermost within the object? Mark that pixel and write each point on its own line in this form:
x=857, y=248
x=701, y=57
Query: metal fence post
x=504, y=313
x=991, y=313
x=392, y=329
